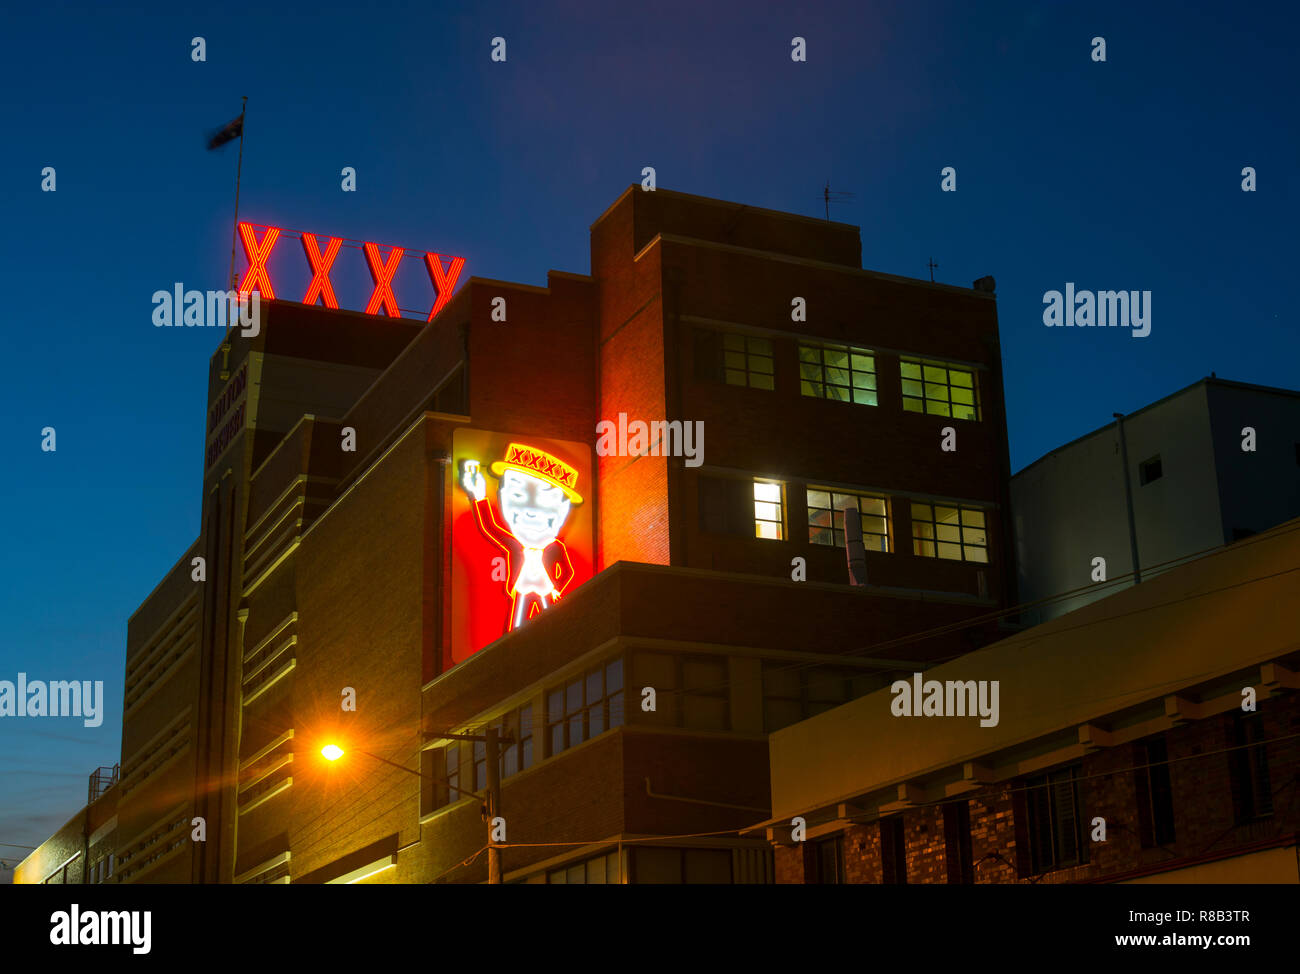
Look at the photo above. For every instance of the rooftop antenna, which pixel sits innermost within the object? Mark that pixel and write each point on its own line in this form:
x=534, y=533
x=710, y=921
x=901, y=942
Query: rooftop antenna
x=830, y=196
x=933, y=265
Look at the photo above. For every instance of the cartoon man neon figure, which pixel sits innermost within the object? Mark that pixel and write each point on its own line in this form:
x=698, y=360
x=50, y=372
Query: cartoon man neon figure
x=536, y=492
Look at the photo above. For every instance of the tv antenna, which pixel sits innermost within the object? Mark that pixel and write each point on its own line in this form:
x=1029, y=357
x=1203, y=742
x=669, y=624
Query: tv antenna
x=932, y=265
x=834, y=196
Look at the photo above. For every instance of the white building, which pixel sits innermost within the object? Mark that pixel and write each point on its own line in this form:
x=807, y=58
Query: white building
x=1198, y=480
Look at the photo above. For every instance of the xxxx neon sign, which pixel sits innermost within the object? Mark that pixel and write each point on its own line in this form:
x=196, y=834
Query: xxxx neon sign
x=382, y=265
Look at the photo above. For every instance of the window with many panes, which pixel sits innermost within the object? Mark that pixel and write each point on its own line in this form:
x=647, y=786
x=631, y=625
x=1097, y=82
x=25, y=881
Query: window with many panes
x=602, y=870
x=939, y=389
x=769, y=510
x=736, y=359
x=793, y=692
x=585, y=707
x=514, y=754
x=947, y=531
x=446, y=769
x=843, y=373
x=690, y=691
x=826, y=518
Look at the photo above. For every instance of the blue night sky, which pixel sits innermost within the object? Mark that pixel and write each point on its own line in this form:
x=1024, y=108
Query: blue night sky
x=1122, y=175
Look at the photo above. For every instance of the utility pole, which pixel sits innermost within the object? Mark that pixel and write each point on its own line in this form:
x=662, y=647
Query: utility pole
x=493, y=805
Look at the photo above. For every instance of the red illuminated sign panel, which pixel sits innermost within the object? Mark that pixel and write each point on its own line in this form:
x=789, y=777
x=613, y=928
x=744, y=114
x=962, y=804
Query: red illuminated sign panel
x=382, y=262
x=521, y=532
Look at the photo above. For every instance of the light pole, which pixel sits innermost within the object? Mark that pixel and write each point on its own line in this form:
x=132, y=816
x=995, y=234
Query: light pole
x=491, y=801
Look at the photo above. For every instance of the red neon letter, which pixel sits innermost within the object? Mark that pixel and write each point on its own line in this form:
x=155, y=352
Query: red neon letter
x=444, y=284
x=257, y=276
x=320, y=268
x=382, y=274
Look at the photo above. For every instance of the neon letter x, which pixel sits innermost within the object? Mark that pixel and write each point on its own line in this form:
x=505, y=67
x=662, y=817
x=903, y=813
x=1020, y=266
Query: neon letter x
x=320, y=268
x=257, y=276
x=382, y=274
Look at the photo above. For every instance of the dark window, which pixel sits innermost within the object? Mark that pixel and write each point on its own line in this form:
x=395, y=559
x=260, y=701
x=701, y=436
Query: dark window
x=1149, y=470
x=738, y=360
x=792, y=693
x=585, y=707
x=1154, y=794
x=652, y=864
x=727, y=506
x=1252, y=790
x=893, y=851
x=828, y=862
x=1055, y=821
x=956, y=842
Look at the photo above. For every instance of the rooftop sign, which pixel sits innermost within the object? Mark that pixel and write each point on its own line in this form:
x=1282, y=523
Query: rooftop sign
x=383, y=263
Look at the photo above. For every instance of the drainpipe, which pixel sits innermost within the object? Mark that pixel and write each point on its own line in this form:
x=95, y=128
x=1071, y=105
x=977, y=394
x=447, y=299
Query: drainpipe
x=1128, y=500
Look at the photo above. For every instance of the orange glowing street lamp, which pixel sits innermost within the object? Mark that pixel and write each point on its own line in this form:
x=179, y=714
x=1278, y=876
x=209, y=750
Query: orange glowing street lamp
x=491, y=801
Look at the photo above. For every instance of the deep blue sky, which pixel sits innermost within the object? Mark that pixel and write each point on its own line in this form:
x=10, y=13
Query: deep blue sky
x=1117, y=175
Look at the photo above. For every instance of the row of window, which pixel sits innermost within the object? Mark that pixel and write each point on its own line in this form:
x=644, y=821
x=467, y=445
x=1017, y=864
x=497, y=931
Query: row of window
x=951, y=531
x=841, y=373
x=649, y=864
x=1056, y=824
x=691, y=691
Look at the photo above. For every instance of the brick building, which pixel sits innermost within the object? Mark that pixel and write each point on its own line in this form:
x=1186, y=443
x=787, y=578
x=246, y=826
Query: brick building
x=1129, y=710
x=349, y=595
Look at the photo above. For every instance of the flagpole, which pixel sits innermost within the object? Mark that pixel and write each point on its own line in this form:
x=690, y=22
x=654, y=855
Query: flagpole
x=234, y=233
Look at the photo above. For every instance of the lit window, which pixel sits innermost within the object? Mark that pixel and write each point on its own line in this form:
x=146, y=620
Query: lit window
x=939, y=389
x=826, y=518
x=956, y=533
x=840, y=372
x=769, y=521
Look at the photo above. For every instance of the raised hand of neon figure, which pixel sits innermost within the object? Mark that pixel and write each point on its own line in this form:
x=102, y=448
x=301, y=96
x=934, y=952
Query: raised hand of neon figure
x=533, y=512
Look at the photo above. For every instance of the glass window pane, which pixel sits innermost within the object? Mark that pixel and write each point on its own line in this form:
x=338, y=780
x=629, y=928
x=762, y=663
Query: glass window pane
x=959, y=378
x=952, y=551
x=873, y=505
x=963, y=396
x=767, y=530
x=595, y=685
x=577, y=873
x=734, y=360
x=810, y=371
x=913, y=405
x=557, y=738
x=596, y=871
x=596, y=720
x=613, y=676
x=823, y=536
x=762, y=346
x=616, y=709
x=936, y=374
x=910, y=370
x=922, y=512
x=947, y=532
x=576, y=736
x=974, y=536
x=819, y=498
x=731, y=341
x=948, y=515
x=735, y=378
x=767, y=491
x=762, y=382
x=839, y=377
x=557, y=877
x=809, y=353
x=937, y=408
x=921, y=547
x=873, y=524
x=964, y=412
x=767, y=512
x=863, y=363
x=976, y=554
x=573, y=697
x=911, y=388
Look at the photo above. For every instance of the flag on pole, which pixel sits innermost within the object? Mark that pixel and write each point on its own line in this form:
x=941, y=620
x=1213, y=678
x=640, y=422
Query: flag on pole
x=227, y=133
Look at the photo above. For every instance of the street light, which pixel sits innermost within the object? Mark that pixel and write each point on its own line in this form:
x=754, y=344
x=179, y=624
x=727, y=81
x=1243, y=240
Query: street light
x=491, y=801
